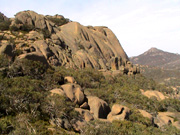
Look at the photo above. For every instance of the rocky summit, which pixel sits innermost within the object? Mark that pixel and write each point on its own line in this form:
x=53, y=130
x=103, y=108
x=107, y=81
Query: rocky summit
x=57, y=41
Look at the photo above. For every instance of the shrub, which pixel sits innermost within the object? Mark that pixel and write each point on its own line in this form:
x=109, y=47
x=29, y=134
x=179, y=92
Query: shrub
x=26, y=27
x=58, y=21
x=59, y=107
x=19, y=26
x=27, y=107
x=13, y=28
x=170, y=105
x=18, y=52
x=20, y=95
x=25, y=67
x=125, y=128
x=4, y=25
x=46, y=33
x=5, y=125
x=4, y=61
x=23, y=124
x=53, y=79
x=138, y=118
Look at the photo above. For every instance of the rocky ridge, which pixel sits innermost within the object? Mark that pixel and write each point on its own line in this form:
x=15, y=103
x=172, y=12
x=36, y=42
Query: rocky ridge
x=39, y=37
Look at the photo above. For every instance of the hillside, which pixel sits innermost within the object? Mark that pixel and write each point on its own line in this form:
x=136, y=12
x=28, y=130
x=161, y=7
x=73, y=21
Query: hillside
x=57, y=41
x=158, y=58
x=59, y=77
x=161, y=66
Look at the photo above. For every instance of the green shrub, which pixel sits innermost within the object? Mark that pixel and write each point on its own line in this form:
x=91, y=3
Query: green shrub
x=53, y=79
x=138, y=118
x=23, y=125
x=59, y=107
x=26, y=27
x=4, y=25
x=27, y=107
x=5, y=125
x=170, y=105
x=46, y=33
x=18, y=52
x=24, y=67
x=13, y=28
x=20, y=94
x=124, y=128
x=4, y=61
x=21, y=27
x=58, y=21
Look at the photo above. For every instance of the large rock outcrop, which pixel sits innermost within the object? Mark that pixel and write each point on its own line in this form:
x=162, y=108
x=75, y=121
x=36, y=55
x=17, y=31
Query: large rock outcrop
x=31, y=18
x=91, y=47
x=153, y=93
x=70, y=45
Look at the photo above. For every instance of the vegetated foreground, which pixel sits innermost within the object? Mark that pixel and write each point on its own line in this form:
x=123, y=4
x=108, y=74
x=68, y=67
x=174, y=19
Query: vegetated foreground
x=28, y=105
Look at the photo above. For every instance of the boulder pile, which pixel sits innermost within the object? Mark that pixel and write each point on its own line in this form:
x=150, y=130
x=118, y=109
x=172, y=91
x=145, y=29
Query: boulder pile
x=93, y=108
x=90, y=107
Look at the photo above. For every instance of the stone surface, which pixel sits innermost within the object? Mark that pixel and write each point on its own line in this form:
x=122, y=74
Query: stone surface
x=69, y=79
x=79, y=95
x=166, y=118
x=31, y=18
x=34, y=56
x=118, y=112
x=84, y=105
x=146, y=114
x=71, y=45
x=74, y=92
x=57, y=91
x=116, y=109
x=85, y=113
x=153, y=93
x=34, y=35
x=98, y=107
x=42, y=47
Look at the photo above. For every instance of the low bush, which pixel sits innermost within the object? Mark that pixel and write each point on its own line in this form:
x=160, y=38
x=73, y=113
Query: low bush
x=125, y=128
x=27, y=107
x=24, y=67
x=58, y=21
x=4, y=61
x=4, y=25
x=19, y=26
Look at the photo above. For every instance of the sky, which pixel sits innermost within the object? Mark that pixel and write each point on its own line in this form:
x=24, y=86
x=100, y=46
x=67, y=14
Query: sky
x=138, y=24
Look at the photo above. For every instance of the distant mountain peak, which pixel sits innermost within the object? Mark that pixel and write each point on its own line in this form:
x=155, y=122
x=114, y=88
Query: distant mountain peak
x=158, y=58
x=152, y=50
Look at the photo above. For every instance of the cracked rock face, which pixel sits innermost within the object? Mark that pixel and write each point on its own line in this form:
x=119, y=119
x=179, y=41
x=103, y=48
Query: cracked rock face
x=70, y=45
